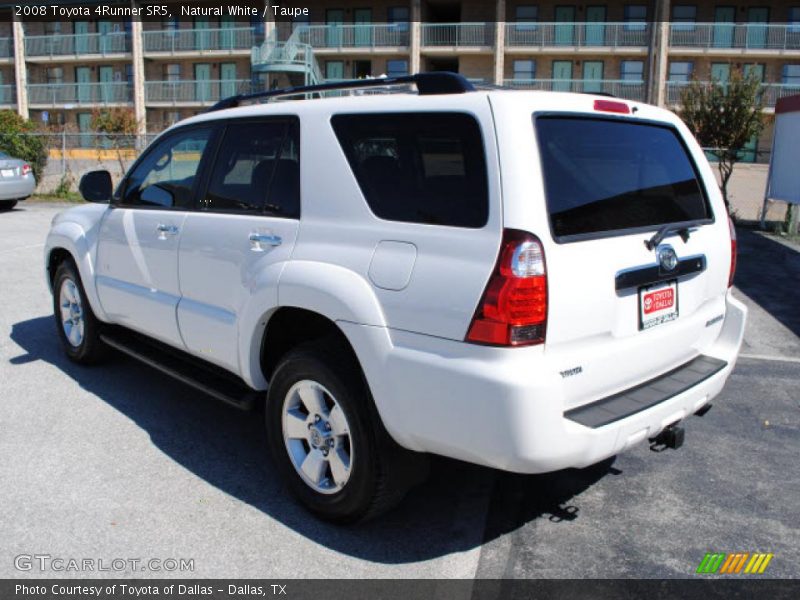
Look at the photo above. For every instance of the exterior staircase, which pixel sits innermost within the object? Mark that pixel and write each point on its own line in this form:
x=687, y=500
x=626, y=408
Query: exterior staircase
x=291, y=60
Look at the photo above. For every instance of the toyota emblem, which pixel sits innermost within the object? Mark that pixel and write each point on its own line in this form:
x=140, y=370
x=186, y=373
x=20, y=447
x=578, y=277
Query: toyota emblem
x=667, y=258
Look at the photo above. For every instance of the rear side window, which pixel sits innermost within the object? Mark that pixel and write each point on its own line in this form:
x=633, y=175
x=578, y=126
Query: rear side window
x=418, y=167
x=257, y=169
x=604, y=175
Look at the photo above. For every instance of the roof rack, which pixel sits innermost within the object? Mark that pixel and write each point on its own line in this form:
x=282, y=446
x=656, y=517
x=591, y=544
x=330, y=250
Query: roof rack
x=440, y=82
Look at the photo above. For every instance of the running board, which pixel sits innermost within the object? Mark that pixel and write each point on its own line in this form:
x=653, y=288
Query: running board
x=199, y=374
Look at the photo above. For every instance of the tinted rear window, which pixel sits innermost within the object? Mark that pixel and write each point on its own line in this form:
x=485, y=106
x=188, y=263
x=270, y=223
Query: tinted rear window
x=418, y=167
x=605, y=175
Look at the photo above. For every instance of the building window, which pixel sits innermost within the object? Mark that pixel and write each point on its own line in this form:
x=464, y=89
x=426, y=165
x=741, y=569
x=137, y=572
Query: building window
x=55, y=75
x=398, y=16
x=524, y=69
x=680, y=71
x=684, y=17
x=631, y=70
x=794, y=19
x=635, y=17
x=791, y=74
x=396, y=68
x=526, y=17
x=172, y=72
x=171, y=117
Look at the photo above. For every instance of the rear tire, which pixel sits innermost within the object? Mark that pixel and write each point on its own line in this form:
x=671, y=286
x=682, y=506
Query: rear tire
x=7, y=204
x=78, y=328
x=326, y=438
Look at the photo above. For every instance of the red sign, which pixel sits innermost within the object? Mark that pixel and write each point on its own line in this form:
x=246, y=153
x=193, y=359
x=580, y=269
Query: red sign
x=660, y=300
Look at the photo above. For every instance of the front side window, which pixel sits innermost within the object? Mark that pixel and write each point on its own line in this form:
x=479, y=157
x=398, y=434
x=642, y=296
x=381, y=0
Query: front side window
x=257, y=169
x=605, y=175
x=418, y=167
x=166, y=175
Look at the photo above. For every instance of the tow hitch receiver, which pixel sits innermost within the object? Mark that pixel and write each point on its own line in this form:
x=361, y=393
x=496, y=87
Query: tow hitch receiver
x=670, y=437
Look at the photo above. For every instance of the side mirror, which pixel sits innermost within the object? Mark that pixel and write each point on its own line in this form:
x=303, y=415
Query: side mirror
x=96, y=186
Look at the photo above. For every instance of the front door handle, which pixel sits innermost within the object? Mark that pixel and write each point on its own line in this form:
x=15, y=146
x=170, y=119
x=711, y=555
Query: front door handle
x=258, y=240
x=164, y=230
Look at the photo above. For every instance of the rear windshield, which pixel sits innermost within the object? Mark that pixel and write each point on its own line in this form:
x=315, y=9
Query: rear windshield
x=603, y=176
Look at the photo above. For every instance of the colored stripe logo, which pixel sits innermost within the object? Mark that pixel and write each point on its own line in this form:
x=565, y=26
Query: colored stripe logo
x=735, y=563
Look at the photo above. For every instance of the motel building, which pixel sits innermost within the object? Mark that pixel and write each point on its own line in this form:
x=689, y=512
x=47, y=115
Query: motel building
x=166, y=69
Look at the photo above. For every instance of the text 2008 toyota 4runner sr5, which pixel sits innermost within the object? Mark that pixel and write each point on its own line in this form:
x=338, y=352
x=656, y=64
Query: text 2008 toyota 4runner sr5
x=524, y=280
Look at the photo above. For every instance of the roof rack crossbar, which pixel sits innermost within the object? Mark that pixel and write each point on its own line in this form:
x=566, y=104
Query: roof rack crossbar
x=427, y=83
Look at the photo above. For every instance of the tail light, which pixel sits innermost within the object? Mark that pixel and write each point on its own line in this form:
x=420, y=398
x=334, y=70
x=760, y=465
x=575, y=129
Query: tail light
x=26, y=168
x=612, y=106
x=733, y=252
x=513, y=309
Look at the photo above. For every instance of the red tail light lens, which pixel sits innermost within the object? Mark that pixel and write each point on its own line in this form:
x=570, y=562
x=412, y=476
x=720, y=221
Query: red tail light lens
x=612, y=106
x=26, y=168
x=733, y=252
x=513, y=310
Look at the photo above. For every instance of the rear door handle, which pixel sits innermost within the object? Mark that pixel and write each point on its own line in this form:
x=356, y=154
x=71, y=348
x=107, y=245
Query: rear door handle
x=258, y=240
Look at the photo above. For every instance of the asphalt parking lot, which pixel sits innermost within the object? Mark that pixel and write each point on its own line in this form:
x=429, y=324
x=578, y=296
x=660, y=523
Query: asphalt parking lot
x=122, y=462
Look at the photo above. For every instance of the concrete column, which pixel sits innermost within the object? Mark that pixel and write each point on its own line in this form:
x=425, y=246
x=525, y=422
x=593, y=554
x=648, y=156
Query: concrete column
x=658, y=52
x=269, y=21
x=500, y=42
x=20, y=70
x=415, y=62
x=137, y=54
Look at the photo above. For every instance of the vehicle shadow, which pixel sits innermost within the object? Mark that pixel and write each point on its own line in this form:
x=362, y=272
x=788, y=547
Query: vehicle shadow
x=768, y=272
x=226, y=448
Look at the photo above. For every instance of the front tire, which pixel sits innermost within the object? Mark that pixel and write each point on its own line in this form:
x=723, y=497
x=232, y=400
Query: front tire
x=325, y=440
x=77, y=326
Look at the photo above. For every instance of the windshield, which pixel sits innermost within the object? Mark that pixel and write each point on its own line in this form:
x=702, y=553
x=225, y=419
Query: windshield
x=604, y=175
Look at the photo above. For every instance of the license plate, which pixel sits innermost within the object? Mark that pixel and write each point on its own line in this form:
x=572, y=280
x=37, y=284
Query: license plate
x=658, y=304
x=7, y=172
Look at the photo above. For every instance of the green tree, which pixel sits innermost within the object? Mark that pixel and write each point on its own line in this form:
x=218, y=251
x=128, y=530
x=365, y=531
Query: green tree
x=120, y=128
x=724, y=117
x=18, y=139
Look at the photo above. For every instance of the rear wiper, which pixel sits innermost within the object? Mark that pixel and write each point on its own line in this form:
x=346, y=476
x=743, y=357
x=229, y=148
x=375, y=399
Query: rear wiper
x=664, y=231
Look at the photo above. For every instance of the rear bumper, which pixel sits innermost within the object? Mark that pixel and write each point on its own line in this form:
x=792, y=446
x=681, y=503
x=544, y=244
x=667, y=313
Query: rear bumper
x=503, y=408
x=17, y=189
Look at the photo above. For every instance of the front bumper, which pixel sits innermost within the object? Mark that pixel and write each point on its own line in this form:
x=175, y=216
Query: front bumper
x=445, y=400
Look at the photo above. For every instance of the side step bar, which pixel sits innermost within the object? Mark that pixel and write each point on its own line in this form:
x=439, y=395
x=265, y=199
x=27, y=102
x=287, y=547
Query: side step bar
x=199, y=374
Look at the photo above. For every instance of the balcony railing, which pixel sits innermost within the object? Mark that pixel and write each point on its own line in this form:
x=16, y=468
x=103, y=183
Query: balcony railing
x=386, y=35
x=735, y=35
x=77, y=45
x=771, y=92
x=6, y=47
x=615, y=35
x=462, y=35
x=198, y=91
x=198, y=40
x=630, y=90
x=8, y=94
x=59, y=94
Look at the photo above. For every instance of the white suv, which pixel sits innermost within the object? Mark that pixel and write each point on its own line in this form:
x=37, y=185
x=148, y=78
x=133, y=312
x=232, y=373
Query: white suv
x=525, y=280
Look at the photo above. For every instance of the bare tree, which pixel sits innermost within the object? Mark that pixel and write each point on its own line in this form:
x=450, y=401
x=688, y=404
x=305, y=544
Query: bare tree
x=724, y=117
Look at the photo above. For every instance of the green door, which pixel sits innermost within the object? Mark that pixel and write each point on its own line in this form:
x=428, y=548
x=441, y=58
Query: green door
x=565, y=28
x=202, y=36
x=595, y=26
x=202, y=83
x=757, y=27
x=593, y=76
x=227, y=37
x=724, y=19
x=227, y=75
x=83, y=80
x=104, y=28
x=85, y=127
x=363, y=26
x=334, y=19
x=562, y=75
x=81, y=37
x=334, y=70
x=106, y=84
